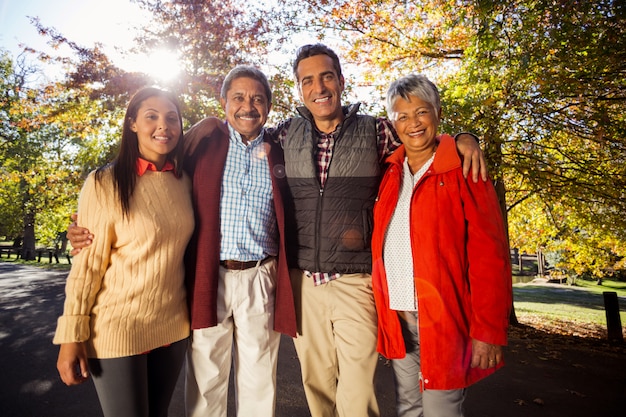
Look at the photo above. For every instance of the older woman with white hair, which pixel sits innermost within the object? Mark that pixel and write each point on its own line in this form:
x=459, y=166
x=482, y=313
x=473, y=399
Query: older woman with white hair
x=441, y=265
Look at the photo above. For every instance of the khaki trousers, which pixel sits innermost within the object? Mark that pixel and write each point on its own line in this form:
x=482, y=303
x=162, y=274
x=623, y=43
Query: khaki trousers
x=336, y=344
x=245, y=335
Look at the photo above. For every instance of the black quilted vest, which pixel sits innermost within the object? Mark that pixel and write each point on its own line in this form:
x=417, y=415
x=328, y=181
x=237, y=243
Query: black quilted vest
x=329, y=230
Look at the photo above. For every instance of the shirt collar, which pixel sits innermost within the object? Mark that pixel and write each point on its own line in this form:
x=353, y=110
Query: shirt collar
x=236, y=136
x=143, y=166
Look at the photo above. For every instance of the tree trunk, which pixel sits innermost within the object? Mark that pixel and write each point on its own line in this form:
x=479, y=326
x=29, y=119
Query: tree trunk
x=512, y=316
x=501, y=193
x=540, y=264
x=493, y=153
x=28, y=245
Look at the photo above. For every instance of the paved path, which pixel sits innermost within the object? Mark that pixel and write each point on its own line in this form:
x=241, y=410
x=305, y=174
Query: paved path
x=569, y=377
x=31, y=299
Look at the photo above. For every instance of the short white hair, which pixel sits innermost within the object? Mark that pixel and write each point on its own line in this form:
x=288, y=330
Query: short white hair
x=412, y=85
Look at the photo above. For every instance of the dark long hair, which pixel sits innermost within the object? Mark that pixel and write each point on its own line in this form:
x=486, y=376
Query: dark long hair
x=124, y=165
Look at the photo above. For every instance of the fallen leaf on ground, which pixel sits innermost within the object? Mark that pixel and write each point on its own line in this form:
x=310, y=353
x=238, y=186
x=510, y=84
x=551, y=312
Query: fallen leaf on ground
x=564, y=327
x=576, y=393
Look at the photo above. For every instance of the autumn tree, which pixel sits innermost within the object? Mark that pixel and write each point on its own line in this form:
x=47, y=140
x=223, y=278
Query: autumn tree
x=545, y=83
x=51, y=136
x=88, y=70
x=21, y=157
x=211, y=38
x=542, y=83
x=54, y=134
x=26, y=171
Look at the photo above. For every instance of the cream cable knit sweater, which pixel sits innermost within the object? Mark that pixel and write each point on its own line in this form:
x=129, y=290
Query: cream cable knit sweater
x=125, y=294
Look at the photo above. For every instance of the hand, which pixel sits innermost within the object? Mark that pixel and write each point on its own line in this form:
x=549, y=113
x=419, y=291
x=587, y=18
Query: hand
x=472, y=155
x=485, y=355
x=79, y=237
x=200, y=131
x=72, y=363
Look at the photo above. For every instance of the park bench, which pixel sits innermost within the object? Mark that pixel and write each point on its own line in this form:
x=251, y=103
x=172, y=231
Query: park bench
x=59, y=248
x=11, y=250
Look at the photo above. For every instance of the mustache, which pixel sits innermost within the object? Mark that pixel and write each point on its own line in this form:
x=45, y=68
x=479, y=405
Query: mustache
x=248, y=114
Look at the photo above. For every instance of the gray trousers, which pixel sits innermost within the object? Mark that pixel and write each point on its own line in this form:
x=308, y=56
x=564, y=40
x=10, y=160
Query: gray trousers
x=410, y=401
x=138, y=385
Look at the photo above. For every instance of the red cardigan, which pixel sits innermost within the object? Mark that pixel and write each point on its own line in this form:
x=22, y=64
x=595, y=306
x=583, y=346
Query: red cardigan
x=206, y=169
x=461, y=266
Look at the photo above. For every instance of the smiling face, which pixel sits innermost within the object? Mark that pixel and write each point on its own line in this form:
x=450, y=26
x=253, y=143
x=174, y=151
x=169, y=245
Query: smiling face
x=320, y=89
x=416, y=122
x=246, y=106
x=158, y=129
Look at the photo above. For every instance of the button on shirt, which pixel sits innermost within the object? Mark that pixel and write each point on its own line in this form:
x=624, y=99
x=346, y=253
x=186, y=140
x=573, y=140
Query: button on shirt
x=247, y=216
x=398, y=253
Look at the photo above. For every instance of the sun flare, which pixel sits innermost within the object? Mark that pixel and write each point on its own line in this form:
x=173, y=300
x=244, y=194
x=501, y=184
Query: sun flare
x=162, y=64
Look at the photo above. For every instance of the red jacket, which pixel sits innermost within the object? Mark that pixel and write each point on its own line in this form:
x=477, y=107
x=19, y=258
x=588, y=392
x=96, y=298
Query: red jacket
x=202, y=260
x=461, y=264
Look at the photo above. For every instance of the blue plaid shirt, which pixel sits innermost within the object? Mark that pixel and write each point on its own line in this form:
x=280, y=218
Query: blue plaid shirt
x=247, y=215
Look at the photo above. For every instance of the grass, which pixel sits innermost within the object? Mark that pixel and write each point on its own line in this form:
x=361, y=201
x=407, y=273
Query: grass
x=45, y=263
x=567, y=309
x=63, y=265
x=607, y=285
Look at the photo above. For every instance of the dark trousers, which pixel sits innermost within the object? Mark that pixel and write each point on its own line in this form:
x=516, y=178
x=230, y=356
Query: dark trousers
x=139, y=385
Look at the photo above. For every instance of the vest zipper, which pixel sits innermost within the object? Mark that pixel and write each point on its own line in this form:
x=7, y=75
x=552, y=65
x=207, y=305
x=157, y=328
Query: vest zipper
x=318, y=223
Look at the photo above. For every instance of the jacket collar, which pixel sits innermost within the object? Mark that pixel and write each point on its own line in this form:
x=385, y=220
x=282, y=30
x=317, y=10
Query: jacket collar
x=446, y=158
x=348, y=111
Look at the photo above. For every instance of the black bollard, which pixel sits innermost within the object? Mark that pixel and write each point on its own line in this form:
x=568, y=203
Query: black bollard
x=613, y=321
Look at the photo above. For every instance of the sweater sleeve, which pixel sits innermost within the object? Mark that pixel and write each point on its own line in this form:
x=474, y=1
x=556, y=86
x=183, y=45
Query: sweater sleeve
x=85, y=278
x=489, y=267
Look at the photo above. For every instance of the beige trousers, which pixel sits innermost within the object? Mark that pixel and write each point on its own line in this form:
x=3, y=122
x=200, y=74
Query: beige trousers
x=245, y=336
x=336, y=344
